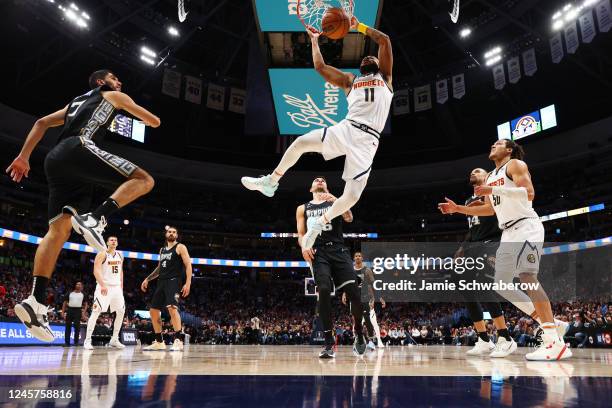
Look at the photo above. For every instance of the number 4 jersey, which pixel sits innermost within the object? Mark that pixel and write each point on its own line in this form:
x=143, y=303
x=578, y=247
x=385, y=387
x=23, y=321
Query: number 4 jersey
x=369, y=101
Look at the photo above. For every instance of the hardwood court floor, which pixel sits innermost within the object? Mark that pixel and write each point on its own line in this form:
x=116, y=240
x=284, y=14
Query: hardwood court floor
x=295, y=360
x=293, y=376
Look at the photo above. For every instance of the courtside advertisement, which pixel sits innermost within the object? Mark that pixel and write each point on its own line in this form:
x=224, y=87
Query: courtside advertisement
x=304, y=101
x=282, y=15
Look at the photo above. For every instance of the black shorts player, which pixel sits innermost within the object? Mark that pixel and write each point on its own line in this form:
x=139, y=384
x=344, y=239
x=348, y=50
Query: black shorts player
x=76, y=163
x=331, y=264
x=170, y=279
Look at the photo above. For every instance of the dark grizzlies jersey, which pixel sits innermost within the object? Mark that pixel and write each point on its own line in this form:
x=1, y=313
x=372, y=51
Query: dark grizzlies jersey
x=170, y=264
x=331, y=232
x=482, y=228
x=360, y=276
x=88, y=115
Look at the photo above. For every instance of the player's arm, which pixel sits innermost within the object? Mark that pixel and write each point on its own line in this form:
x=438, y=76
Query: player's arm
x=331, y=74
x=450, y=207
x=152, y=276
x=369, y=280
x=20, y=167
x=300, y=219
x=98, y=261
x=124, y=102
x=182, y=251
x=385, y=51
x=519, y=172
x=348, y=216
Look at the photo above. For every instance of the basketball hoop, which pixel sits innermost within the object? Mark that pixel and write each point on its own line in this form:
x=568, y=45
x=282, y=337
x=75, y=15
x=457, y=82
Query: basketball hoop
x=310, y=12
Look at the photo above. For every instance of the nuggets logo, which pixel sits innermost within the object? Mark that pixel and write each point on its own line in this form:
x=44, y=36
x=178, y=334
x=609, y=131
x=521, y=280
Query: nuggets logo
x=531, y=258
x=525, y=126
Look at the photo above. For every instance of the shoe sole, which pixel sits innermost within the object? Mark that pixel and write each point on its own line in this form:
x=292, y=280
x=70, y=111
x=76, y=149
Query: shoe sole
x=565, y=353
x=326, y=357
x=482, y=353
x=254, y=187
x=26, y=315
x=89, y=237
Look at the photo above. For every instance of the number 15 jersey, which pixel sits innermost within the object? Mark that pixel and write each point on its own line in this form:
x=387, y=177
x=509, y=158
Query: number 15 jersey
x=112, y=268
x=369, y=101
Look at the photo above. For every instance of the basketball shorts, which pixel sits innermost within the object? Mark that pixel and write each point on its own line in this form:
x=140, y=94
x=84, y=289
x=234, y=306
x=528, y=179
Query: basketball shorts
x=520, y=249
x=359, y=147
x=74, y=167
x=333, y=264
x=167, y=294
x=113, y=301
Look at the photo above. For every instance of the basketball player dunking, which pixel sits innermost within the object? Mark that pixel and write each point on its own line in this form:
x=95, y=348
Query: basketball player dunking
x=509, y=194
x=331, y=265
x=369, y=100
x=72, y=168
x=108, y=297
x=174, y=263
x=365, y=278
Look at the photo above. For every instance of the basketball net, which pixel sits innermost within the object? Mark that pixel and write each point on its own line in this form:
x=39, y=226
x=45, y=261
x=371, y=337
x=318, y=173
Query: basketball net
x=311, y=12
x=182, y=14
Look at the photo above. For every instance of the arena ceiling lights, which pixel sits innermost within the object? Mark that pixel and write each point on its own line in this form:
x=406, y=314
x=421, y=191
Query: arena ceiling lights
x=173, y=31
x=465, y=32
x=147, y=55
x=74, y=14
x=569, y=13
x=493, y=56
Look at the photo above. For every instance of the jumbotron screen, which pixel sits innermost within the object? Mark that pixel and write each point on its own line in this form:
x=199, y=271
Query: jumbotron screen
x=304, y=101
x=282, y=15
x=529, y=124
x=128, y=127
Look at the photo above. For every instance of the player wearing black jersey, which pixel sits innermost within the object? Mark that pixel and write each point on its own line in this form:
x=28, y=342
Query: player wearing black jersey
x=174, y=266
x=72, y=168
x=482, y=240
x=331, y=264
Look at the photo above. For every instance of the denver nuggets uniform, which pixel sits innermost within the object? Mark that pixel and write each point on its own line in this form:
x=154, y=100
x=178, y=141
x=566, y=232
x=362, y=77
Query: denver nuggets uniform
x=357, y=136
x=523, y=233
x=112, y=271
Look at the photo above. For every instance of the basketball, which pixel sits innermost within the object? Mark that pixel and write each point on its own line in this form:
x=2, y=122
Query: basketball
x=336, y=23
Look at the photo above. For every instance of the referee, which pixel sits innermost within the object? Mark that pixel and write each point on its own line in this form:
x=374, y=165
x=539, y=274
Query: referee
x=72, y=316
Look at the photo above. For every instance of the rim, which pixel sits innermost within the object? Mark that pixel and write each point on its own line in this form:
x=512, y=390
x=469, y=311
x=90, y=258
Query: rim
x=351, y=7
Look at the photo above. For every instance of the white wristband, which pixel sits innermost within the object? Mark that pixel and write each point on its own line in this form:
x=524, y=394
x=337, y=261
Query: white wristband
x=513, y=192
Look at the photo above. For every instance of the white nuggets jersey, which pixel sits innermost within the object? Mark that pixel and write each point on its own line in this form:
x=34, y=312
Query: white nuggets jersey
x=508, y=209
x=369, y=101
x=112, y=268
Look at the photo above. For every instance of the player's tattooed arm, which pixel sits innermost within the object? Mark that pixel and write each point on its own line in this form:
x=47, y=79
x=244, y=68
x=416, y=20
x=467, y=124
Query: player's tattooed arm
x=331, y=74
x=153, y=275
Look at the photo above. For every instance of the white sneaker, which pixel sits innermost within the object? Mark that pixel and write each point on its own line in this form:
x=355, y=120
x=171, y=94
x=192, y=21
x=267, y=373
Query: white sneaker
x=379, y=343
x=177, y=345
x=114, y=342
x=87, y=345
x=503, y=348
x=561, y=328
x=371, y=345
x=91, y=229
x=481, y=347
x=551, y=349
x=156, y=345
x=314, y=230
x=35, y=317
x=264, y=184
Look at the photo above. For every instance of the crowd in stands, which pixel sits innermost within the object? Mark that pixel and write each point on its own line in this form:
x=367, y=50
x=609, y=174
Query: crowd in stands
x=245, y=307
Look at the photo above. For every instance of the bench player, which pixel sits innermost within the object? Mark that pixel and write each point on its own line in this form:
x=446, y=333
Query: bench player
x=108, y=297
x=369, y=98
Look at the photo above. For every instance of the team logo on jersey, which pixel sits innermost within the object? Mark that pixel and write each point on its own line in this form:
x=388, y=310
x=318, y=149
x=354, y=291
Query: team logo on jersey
x=531, y=258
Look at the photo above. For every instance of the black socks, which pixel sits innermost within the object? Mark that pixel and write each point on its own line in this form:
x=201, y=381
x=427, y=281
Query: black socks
x=39, y=289
x=504, y=333
x=159, y=338
x=484, y=336
x=107, y=208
